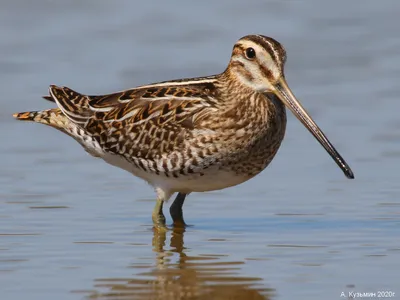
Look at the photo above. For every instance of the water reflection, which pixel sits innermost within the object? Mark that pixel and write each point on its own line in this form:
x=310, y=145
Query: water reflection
x=205, y=276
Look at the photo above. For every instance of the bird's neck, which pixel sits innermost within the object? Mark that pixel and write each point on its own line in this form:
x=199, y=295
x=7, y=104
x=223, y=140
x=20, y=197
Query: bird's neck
x=237, y=100
x=242, y=107
x=231, y=87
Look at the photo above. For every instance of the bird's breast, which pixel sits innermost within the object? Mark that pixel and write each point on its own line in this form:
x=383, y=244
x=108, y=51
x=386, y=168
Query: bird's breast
x=258, y=141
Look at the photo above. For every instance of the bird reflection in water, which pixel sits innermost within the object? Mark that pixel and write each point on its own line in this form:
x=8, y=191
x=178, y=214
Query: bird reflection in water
x=190, y=277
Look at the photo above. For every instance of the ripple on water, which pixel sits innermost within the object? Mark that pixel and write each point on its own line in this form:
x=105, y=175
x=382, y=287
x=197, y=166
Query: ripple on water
x=203, y=276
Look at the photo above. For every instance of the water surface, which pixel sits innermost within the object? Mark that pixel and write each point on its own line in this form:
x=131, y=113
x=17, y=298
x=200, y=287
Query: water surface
x=72, y=227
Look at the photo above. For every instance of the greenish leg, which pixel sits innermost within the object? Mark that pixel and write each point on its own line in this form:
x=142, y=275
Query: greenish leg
x=157, y=215
x=176, y=210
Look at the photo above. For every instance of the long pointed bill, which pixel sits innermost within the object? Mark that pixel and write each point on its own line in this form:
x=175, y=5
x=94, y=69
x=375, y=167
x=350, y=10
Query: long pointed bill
x=287, y=97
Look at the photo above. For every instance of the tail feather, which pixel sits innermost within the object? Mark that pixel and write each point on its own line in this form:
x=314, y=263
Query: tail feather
x=52, y=117
x=26, y=116
x=73, y=111
x=58, y=120
x=73, y=105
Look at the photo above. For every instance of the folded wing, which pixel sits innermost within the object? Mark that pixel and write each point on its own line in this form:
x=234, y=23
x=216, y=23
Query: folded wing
x=142, y=122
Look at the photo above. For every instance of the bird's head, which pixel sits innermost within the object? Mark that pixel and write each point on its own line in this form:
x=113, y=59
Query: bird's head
x=258, y=62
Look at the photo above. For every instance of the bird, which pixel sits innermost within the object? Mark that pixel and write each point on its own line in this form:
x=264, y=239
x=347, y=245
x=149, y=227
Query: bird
x=190, y=135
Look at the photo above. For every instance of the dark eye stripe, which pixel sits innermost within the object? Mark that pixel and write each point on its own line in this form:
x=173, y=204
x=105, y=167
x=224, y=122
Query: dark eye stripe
x=267, y=73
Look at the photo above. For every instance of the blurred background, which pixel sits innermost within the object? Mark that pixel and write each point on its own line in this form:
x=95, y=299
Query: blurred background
x=73, y=227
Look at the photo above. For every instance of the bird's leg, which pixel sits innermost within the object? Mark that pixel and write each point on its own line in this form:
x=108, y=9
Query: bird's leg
x=157, y=215
x=176, y=210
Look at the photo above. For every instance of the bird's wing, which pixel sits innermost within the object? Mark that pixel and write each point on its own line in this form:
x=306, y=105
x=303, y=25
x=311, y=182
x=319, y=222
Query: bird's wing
x=143, y=122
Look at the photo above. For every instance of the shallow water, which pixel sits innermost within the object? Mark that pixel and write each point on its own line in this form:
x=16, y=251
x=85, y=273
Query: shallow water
x=72, y=227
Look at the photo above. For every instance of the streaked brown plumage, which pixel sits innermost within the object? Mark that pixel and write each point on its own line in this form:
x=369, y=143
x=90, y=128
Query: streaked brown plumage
x=189, y=135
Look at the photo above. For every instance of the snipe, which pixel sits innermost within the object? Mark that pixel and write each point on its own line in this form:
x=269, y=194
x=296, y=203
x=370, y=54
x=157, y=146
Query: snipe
x=190, y=135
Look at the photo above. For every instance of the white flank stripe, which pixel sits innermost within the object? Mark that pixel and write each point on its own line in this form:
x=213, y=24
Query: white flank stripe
x=132, y=113
x=128, y=115
x=173, y=98
x=103, y=109
x=172, y=83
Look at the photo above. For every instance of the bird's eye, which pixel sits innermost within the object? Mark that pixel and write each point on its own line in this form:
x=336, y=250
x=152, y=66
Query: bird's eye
x=250, y=53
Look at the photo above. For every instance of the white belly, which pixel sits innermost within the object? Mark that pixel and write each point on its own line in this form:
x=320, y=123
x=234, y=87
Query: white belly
x=213, y=179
